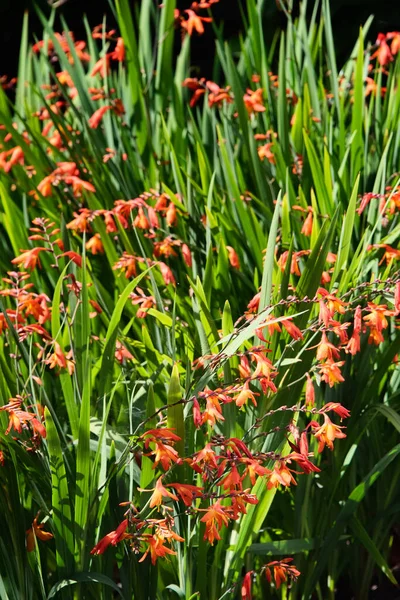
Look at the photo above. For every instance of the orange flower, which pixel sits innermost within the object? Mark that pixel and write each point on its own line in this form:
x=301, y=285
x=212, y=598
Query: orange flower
x=389, y=254
x=141, y=221
x=187, y=255
x=197, y=86
x=213, y=411
x=308, y=223
x=244, y=395
x=98, y=115
x=163, y=433
x=333, y=304
x=159, y=492
x=194, y=22
x=395, y=45
x=397, y=298
x=282, y=570
x=232, y=481
x=372, y=87
x=217, y=95
x=204, y=460
x=171, y=215
x=330, y=372
x=102, y=66
x=81, y=221
x=95, y=245
x=377, y=321
x=36, y=531
x=294, y=268
x=156, y=548
x=216, y=516
x=233, y=257
x=253, y=101
x=254, y=468
x=121, y=353
x=265, y=152
x=164, y=454
x=383, y=53
x=57, y=358
x=18, y=418
x=338, y=409
x=327, y=433
x=78, y=185
x=281, y=475
x=292, y=329
x=310, y=392
x=354, y=344
x=326, y=350
x=29, y=258
x=119, y=52
x=127, y=263
x=264, y=372
x=145, y=302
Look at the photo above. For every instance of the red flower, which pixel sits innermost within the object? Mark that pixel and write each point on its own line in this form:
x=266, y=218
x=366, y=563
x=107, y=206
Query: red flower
x=119, y=52
x=187, y=492
x=338, y=409
x=245, y=591
x=111, y=538
x=98, y=115
x=383, y=53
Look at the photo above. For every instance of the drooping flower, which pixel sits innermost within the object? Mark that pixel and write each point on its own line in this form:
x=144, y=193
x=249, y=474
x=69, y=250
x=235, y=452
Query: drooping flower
x=282, y=570
x=215, y=518
x=327, y=433
x=245, y=590
x=187, y=492
x=310, y=392
x=281, y=475
x=113, y=538
x=244, y=395
x=156, y=547
x=330, y=372
x=36, y=531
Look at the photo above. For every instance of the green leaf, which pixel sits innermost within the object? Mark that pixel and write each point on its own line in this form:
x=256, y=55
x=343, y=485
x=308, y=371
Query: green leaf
x=107, y=362
x=62, y=516
x=83, y=577
x=346, y=513
x=372, y=549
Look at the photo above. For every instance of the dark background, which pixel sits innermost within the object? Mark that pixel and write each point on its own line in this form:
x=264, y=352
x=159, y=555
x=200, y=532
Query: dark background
x=347, y=16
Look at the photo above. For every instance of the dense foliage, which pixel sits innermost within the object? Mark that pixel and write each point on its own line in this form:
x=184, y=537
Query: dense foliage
x=199, y=388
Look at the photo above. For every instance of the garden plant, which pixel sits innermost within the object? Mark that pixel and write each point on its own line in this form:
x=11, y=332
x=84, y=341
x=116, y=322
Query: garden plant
x=199, y=310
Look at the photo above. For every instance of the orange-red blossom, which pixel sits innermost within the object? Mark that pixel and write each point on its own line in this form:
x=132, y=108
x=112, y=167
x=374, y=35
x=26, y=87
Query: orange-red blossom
x=216, y=516
x=282, y=570
x=327, y=433
x=36, y=531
